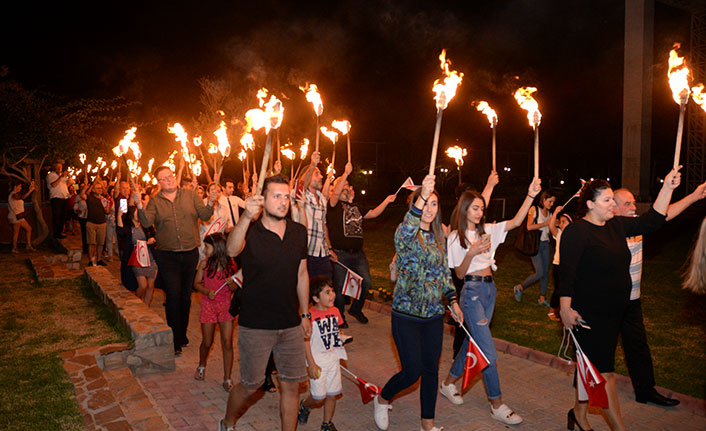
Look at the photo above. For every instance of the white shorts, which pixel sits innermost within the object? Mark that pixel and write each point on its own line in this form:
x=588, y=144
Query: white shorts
x=329, y=383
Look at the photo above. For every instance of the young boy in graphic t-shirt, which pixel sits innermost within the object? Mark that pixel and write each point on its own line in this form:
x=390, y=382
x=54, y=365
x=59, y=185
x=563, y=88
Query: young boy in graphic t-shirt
x=324, y=352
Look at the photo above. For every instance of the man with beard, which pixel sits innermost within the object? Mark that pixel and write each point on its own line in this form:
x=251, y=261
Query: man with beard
x=316, y=191
x=345, y=227
x=632, y=332
x=58, y=182
x=175, y=212
x=274, y=311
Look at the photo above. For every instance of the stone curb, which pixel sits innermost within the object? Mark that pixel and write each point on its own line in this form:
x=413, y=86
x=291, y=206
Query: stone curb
x=693, y=405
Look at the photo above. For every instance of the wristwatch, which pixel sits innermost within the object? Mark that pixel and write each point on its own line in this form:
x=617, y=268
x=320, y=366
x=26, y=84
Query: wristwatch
x=307, y=315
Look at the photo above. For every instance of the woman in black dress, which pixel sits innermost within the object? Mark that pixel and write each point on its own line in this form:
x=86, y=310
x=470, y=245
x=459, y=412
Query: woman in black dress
x=595, y=280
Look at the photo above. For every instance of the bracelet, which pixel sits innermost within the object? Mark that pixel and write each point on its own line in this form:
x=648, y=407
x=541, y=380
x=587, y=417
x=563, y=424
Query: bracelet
x=531, y=197
x=307, y=315
x=422, y=198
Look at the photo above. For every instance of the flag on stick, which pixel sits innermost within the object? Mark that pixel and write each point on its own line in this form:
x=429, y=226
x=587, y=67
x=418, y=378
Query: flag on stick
x=140, y=255
x=368, y=391
x=352, y=284
x=476, y=361
x=408, y=184
x=590, y=384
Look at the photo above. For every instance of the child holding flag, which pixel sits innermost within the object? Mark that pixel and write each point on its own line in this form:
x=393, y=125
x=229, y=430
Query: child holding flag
x=211, y=279
x=324, y=352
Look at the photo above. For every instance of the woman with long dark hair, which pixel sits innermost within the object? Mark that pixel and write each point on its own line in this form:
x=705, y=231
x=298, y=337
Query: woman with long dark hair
x=538, y=218
x=595, y=280
x=471, y=250
x=423, y=280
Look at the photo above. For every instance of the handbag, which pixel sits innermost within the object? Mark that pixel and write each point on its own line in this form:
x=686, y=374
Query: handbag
x=527, y=241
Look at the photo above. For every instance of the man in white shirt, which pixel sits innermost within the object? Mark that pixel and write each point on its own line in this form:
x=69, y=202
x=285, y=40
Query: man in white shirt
x=230, y=204
x=58, y=182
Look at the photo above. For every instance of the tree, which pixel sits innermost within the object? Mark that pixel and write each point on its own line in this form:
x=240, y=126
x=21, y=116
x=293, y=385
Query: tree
x=41, y=126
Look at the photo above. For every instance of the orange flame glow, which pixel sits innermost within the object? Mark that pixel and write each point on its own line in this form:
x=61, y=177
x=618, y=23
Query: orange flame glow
x=261, y=96
x=222, y=136
x=242, y=155
x=333, y=136
x=489, y=112
x=197, y=141
x=247, y=142
x=196, y=168
x=457, y=153
x=678, y=75
x=212, y=149
x=526, y=101
x=149, y=164
x=127, y=144
x=304, y=149
x=82, y=158
x=313, y=96
x=342, y=126
x=113, y=164
x=288, y=153
x=446, y=91
x=698, y=96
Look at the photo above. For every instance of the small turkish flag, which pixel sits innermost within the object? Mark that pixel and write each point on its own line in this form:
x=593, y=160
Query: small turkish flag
x=475, y=362
x=368, y=391
x=589, y=382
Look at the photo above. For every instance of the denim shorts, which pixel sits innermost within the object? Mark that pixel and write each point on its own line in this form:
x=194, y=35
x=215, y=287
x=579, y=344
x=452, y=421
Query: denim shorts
x=255, y=345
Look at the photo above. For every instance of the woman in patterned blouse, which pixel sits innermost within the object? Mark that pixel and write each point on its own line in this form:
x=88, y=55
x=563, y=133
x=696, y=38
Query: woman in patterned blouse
x=417, y=309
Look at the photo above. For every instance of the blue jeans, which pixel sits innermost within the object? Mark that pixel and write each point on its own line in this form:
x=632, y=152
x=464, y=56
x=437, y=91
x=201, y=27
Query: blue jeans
x=540, y=261
x=477, y=304
x=358, y=263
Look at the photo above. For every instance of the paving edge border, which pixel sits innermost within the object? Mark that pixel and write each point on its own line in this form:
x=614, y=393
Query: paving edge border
x=691, y=404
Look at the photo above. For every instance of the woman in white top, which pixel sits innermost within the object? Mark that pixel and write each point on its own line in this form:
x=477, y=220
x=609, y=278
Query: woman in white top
x=472, y=258
x=538, y=219
x=16, y=214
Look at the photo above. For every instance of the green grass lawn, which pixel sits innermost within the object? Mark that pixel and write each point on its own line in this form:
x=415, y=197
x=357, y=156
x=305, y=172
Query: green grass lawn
x=674, y=318
x=38, y=321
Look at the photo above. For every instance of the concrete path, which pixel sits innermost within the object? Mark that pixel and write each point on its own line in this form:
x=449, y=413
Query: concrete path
x=540, y=394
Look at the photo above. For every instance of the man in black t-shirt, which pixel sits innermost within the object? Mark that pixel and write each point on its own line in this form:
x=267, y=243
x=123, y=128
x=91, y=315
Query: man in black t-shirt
x=274, y=312
x=345, y=231
x=95, y=224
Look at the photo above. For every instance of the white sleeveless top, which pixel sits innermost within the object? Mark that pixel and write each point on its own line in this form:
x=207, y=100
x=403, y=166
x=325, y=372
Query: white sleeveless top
x=15, y=206
x=543, y=219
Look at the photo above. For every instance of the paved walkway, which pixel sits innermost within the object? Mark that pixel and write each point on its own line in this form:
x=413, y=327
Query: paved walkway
x=540, y=394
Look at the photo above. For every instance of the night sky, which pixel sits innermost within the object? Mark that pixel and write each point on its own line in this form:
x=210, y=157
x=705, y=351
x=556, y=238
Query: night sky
x=374, y=63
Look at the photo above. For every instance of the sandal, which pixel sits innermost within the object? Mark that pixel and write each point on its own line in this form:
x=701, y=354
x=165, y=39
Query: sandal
x=269, y=385
x=227, y=385
x=200, y=373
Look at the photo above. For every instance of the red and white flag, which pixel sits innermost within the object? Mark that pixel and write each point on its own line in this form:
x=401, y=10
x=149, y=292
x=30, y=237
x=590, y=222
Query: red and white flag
x=218, y=225
x=140, y=255
x=589, y=382
x=408, y=184
x=476, y=362
x=368, y=391
x=353, y=283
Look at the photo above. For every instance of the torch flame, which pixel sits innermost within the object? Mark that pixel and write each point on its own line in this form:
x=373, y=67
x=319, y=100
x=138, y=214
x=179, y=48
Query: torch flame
x=342, y=126
x=697, y=95
x=113, y=164
x=196, y=168
x=146, y=178
x=489, y=112
x=247, y=142
x=222, y=136
x=149, y=164
x=212, y=149
x=197, y=141
x=82, y=158
x=261, y=96
x=457, y=153
x=446, y=91
x=526, y=101
x=242, y=155
x=313, y=96
x=304, y=149
x=127, y=143
x=333, y=136
x=275, y=113
x=288, y=153
x=678, y=75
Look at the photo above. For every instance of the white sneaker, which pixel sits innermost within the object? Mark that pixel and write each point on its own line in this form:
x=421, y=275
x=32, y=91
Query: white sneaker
x=505, y=415
x=451, y=393
x=382, y=419
x=434, y=429
x=222, y=427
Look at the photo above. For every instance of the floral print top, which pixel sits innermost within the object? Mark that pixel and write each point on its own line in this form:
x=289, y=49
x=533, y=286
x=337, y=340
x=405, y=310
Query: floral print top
x=422, y=273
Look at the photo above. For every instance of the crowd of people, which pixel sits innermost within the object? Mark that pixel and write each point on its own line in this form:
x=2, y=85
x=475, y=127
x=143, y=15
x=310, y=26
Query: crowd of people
x=225, y=241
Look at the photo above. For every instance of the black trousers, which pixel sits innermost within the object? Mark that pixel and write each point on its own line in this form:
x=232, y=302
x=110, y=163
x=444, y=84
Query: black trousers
x=58, y=215
x=178, y=269
x=637, y=353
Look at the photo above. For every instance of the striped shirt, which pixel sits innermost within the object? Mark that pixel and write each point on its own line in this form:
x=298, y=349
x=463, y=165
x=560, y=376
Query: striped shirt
x=316, y=224
x=635, y=246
